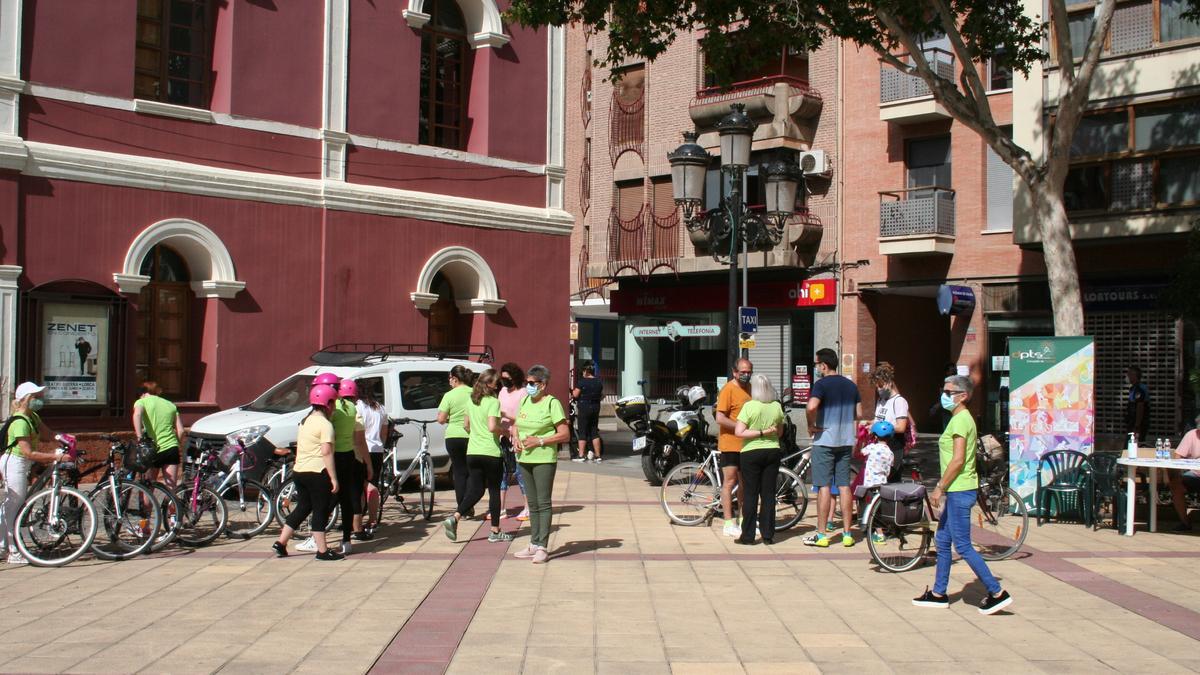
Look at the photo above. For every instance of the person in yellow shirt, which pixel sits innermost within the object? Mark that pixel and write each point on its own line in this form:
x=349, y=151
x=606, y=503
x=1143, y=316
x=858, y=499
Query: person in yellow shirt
x=759, y=424
x=315, y=474
x=730, y=400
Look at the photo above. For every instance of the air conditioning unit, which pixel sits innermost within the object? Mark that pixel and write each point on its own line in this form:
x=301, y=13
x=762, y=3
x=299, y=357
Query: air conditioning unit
x=815, y=162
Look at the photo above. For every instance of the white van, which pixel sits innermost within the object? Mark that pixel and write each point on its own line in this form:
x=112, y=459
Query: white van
x=408, y=380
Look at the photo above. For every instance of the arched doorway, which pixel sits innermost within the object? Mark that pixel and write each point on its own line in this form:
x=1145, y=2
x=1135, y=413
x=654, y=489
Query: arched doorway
x=164, y=307
x=443, y=316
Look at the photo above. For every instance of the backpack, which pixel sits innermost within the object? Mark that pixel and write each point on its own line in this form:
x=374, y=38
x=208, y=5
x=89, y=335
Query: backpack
x=8, y=423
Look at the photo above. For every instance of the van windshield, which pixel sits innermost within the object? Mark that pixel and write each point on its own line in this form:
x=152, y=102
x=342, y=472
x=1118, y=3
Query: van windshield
x=287, y=396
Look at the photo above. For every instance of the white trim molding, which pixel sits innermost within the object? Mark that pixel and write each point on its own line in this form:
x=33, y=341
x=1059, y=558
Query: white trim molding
x=9, y=274
x=469, y=276
x=203, y=250
x=333, y=91
x=484, y=24
x=61, y=162
x=182, y=112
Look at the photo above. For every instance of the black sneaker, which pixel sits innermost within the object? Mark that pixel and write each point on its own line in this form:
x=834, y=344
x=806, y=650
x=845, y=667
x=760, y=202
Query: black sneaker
x=994, y=603
x=365, y=535
x=280, y=550
x=928, y=599
x=330, y=554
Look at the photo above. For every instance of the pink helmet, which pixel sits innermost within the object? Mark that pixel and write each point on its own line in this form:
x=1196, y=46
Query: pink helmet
x=348, y=388
x=322, y=394
x=327, y=378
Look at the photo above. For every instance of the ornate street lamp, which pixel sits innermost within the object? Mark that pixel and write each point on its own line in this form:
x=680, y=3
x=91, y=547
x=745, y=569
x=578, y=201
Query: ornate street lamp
x=730, y=224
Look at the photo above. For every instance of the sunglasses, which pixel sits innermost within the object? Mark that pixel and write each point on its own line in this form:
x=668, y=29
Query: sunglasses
x=532, y=382
x=951, y=392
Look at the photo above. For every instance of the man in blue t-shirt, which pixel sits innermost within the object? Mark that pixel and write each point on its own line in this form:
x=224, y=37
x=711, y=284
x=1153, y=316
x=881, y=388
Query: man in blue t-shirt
x=834, y=407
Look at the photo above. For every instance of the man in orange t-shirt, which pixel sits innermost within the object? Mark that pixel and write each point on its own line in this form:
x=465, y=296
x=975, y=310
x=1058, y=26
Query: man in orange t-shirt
x=733, y=395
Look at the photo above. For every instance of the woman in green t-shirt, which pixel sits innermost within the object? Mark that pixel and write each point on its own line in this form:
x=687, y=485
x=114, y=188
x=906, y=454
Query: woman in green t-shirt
x=957, y=488
x=158, y=419
x=541, y=425
x=759, y=424
x=20, y=451
x=452, y=411
x=484, y=461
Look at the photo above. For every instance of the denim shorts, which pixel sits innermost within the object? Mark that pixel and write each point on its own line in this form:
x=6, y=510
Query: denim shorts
x=831, y=466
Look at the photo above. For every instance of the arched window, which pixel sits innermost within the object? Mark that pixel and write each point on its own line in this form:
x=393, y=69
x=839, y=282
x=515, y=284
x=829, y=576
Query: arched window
x=443, y=114
x=164, y=307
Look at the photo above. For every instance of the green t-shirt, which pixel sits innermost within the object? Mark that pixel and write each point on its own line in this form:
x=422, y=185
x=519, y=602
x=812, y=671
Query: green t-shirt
x=961, y=424
x=759, y=415
x=539, y=419
x=345, y=421
x=454, y=404
x=158, y=421
x=24, y=425
x=483, y=442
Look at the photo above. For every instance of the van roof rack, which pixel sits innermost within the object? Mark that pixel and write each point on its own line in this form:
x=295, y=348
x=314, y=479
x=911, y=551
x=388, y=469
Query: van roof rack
x=362, y=353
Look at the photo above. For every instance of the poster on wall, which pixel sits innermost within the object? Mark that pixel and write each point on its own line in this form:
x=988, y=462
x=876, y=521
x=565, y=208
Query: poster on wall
x=75, y=353
x=1051, y=403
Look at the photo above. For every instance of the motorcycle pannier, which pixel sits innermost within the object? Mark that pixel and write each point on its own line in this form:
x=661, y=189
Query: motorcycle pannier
x=631, y=408
x=902, y=503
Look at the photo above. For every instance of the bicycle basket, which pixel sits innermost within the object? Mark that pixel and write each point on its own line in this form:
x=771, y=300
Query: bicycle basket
x=902, y=503
x=228, y=456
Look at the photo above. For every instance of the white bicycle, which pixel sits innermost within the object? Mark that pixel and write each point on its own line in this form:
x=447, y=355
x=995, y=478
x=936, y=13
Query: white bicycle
x=392, y=479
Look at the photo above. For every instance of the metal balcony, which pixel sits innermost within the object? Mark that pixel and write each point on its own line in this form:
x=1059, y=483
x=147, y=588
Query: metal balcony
x=916, y=221
x=905, y=99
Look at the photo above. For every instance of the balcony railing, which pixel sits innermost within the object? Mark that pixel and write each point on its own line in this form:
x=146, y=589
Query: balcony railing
x=895, y=85
x=756, y=87
x=776, y=96
x=644, y=243
x=627, y=126
x=916, y=211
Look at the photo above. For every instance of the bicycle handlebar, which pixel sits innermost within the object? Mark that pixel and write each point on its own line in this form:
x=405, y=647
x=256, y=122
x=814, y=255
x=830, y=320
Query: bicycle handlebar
x=408, y=420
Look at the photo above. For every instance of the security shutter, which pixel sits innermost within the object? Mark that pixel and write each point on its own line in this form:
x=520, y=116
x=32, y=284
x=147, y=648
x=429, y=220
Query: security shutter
x=999, y=193
x=772, y=353
x=1149, y=340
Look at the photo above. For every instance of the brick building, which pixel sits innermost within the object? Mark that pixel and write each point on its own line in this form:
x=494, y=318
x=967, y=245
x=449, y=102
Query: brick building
x=212, y=191
x=635, y=264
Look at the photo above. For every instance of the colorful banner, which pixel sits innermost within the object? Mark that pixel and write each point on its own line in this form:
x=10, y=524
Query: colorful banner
x=1051, y=404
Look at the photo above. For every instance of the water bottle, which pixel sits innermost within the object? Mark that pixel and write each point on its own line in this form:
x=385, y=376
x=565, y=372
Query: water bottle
x=1167, y=452
x=1131, y=448
x=1158, y=449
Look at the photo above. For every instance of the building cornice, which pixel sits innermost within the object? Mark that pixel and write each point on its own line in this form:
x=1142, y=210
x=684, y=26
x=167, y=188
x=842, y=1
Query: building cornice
x=150, y=173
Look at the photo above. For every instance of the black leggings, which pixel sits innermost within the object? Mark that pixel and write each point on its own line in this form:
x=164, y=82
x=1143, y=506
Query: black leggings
x=352, y=479
x=314, y=494
x=457, y=449
x=485, y=472
x=760, y=470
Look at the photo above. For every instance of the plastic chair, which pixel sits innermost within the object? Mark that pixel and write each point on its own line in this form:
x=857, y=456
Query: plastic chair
x=1071, y=485
x=1109, y=483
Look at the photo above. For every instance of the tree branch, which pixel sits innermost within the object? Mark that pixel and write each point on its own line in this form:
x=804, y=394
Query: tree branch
x=1073, y=94
x=1062, y=39
x=971, y=81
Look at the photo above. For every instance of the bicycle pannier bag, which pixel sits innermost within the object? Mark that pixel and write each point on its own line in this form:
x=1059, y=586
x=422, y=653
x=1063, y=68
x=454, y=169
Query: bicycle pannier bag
x=139, y=456
x=902, y=503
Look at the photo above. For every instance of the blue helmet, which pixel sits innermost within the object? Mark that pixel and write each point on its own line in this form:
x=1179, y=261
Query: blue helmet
x=883, y=429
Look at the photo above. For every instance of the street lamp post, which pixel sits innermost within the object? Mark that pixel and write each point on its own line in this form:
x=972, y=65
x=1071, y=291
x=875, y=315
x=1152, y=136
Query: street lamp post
x=731, y=224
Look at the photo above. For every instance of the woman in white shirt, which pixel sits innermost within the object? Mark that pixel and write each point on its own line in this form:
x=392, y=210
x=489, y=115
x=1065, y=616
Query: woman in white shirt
x=890, y=406
x=375, y=421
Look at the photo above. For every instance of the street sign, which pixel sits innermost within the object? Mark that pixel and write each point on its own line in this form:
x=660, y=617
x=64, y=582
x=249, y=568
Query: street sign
x=747, y=343
x=573, y=330
x=749, y=319
x=676, y=330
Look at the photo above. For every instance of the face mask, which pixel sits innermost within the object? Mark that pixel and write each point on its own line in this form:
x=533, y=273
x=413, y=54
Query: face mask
x=36, y=404
x=743, y=378
x=884, y=394
x=531, y=389
x=947, y=401
x=506, y=381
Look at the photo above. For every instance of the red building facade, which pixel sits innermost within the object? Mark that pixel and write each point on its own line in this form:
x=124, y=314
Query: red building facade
x=211, y=191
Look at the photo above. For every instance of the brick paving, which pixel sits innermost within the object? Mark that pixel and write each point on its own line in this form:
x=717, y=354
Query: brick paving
x=624, y=592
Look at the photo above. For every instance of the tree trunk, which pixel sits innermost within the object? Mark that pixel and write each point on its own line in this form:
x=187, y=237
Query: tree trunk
x=1061, y=269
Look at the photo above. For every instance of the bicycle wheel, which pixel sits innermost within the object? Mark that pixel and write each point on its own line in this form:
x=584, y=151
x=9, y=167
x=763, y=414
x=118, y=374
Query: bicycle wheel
x=285, y=503
x=127, y=522
x=791, y=500
x=169, y=507
x=426, y=475
x=202, y=521
x=50, y=537
x=689, y=493
x=249, y=508
x=1002, y=521
x=899, y=547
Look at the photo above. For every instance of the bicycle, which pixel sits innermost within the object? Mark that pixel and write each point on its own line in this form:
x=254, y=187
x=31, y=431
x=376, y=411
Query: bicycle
x=285, y=495
x=691, y=494
x=999, y=513
x=203, y=516
x=391, y=479
x=129, y=514
x=57, y=524
x=249, y=505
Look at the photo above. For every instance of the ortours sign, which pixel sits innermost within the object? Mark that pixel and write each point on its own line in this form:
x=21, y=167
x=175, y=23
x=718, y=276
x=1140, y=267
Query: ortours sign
x=713, y=297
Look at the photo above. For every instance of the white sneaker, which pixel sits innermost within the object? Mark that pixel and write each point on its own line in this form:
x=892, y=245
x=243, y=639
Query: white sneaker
x=732, y=530
x=15, y=558
x=598, y=460
x=307, y=546
x=346, y=548
x=591, y=456
x=578, y=459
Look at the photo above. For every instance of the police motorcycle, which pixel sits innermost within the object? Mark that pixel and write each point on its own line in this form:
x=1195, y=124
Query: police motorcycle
x=682, y=437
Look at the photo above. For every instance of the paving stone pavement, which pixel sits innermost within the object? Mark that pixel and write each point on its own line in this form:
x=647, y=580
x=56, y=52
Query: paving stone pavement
x=625, y=592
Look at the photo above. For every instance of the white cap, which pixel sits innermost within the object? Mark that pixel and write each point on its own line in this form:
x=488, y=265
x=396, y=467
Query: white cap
x=26, y=388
